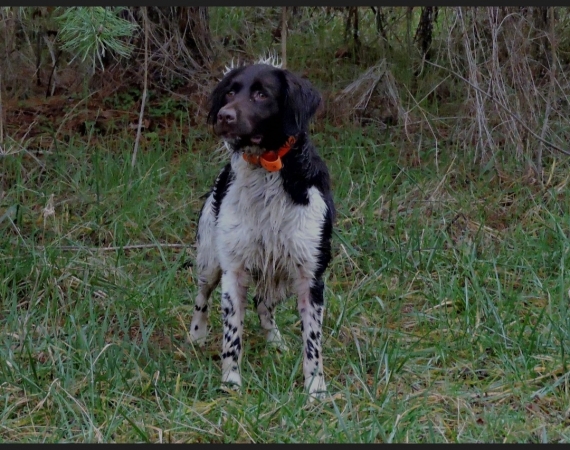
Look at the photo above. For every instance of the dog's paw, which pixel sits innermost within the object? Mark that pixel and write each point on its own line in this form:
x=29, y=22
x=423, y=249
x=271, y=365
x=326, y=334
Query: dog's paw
x=198, y=334
x=275, y=339
x=229, y=389
x=324, y=397
x=199, y=341
x=317, y=389
x=231, y=379
x=318, y=395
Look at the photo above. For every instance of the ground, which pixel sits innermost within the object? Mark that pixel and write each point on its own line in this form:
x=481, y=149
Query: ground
x=446, y=301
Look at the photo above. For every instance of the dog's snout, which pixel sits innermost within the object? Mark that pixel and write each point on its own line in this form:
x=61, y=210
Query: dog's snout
x=227, y=115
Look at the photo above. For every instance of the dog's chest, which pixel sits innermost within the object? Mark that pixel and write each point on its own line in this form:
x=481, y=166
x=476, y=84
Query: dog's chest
x=261, y=230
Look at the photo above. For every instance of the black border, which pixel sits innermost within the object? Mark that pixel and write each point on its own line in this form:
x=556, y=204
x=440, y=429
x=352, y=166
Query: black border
x=218, y=3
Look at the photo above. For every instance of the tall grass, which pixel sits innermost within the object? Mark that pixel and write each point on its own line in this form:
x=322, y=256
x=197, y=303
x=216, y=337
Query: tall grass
x=446, y=300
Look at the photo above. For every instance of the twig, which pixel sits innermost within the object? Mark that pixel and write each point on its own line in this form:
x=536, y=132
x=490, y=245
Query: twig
x=54, y=60
x=506, y=109
x=550, y=99
x=117, y=247
x=143, y=102
x=284, y=37
x=51, y=75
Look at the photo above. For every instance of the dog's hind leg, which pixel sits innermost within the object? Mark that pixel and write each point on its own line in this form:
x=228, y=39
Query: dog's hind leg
x=311, y=306
x=207, y=282
x=266, y=315
x=208, y=269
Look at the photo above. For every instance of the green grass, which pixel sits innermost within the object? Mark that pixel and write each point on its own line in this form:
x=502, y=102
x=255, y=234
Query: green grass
x=447, y=302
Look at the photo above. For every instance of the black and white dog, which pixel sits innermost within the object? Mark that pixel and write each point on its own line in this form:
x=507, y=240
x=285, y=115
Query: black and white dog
x=267, y=221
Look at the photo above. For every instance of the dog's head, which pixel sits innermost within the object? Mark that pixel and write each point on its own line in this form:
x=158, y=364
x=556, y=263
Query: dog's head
x=261, y=106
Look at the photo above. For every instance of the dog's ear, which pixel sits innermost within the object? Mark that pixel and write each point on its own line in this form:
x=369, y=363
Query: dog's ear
x=217, y=98
x=301, y=103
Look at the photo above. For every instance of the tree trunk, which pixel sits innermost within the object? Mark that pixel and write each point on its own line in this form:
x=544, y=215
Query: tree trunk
x=425, y=29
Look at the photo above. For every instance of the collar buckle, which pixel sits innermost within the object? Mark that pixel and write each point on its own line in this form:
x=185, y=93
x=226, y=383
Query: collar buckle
x=271, y=159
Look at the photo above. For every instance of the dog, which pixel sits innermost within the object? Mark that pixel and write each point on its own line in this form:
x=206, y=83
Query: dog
x=267, y=221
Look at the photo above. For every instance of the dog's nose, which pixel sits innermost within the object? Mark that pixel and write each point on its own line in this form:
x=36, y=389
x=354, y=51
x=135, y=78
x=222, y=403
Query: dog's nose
x=227, y=115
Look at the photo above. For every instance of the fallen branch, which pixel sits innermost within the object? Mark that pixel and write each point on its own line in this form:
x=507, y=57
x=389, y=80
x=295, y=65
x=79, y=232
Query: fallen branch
x=117, y=247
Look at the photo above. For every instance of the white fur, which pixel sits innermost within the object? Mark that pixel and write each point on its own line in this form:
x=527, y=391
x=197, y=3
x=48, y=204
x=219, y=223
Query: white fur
x=263, y=239
x=269, y=58
x=260, y=228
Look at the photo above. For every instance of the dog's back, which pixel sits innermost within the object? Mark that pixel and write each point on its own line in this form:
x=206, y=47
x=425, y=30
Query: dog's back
x=268, y=229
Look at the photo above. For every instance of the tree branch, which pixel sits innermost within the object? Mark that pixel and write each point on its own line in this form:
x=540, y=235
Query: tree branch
x=144, y=94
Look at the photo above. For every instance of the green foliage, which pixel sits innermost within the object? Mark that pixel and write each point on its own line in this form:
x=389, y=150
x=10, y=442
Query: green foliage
x=89, y=32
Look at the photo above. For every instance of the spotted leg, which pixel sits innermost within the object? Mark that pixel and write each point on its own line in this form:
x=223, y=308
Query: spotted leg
x=207, y=282
x=265, y=311
x=208, y=270
x=311, y=305
x=234, y=290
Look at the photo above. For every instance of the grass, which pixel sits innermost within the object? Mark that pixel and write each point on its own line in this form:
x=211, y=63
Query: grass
x=447, y=302
x=447, y=298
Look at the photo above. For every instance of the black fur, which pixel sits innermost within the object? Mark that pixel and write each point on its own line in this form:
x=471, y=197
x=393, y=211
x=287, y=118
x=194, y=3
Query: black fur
x=220, y=188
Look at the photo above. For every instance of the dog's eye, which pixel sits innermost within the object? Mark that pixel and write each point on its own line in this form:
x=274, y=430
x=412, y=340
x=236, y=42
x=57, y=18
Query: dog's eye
x=230, y=94
x=258, y=95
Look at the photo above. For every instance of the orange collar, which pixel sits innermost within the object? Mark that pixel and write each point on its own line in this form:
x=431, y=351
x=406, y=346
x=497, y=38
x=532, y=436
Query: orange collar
x=271, y=159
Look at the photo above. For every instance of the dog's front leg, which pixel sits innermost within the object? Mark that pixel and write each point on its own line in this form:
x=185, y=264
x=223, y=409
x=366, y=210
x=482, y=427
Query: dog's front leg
x=234, y=290
x=266, y=313
x=207, y=282
x=311, y=305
